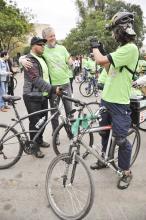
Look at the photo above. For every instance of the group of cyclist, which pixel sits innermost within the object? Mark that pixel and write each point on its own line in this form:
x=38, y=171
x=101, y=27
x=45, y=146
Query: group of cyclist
x=117, y=76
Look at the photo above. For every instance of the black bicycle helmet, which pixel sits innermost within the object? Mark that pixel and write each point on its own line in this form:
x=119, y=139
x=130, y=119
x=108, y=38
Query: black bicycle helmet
x=124, y=20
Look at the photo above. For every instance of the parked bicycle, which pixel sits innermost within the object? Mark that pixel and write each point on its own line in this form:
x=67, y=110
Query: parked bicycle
x=14, y=142
x=69, y=185
x=89, y=87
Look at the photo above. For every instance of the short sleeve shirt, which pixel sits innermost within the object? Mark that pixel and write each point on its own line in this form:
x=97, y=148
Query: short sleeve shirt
x=117, y=87
x=56, y=59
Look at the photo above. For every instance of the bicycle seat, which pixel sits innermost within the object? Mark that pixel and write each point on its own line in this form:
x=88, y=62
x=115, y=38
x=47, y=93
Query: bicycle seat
x=9, y=98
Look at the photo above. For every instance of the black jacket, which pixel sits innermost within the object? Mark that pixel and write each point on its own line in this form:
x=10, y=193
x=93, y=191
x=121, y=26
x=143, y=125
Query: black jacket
x=33, y=78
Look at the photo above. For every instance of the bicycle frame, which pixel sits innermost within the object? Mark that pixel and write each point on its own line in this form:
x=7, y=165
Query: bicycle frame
x=91, y=150
x=19, y=120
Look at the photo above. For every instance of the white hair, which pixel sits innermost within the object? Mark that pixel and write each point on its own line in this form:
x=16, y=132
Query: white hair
x=47, y=31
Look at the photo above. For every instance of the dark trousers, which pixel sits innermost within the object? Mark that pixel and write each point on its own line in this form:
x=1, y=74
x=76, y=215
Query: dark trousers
x=67, y=104
x=11, y=86
x=119, y=116
x=33, y=105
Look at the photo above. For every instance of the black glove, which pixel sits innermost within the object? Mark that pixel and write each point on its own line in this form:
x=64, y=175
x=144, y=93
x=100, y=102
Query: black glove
x=94, y=43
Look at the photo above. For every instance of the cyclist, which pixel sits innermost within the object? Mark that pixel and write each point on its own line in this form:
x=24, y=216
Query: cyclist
x=117, y=89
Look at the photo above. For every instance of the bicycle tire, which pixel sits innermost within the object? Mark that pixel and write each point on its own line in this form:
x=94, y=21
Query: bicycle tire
x=52, y=182
x=84, y=89
x=135, y=147
x=65, y=130
x=7, y=156
x=15, y=82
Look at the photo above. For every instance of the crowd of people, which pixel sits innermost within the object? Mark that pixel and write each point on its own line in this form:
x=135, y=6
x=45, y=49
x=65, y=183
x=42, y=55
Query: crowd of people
x=49, y=69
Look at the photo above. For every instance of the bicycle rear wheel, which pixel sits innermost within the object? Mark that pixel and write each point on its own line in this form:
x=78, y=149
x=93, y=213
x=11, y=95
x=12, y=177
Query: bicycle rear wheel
x=69, y=187
x=85, y=89
x=134, y=138
x=62, y=137
x=10, y=148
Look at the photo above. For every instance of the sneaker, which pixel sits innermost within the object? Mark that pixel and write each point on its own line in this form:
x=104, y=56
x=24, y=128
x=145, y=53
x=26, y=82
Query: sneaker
x=39, y=154
x=125, y=181
x=7, y=107
x=44, y=144
x=98, y=165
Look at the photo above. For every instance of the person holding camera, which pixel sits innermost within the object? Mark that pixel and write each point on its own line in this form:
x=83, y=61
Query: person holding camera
x=119, y=65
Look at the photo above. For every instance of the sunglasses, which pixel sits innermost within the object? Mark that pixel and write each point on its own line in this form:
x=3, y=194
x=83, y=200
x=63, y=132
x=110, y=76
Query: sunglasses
x=41, y=45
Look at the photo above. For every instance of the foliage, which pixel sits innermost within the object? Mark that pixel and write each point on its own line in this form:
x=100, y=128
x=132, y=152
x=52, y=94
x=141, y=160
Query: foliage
x=94, y=15
x=14, y=25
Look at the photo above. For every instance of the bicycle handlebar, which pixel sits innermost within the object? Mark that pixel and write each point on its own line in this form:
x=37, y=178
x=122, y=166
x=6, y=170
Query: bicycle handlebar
x=77, y=101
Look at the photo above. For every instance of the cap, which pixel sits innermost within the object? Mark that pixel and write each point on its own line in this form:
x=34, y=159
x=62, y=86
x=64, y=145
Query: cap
x=37, y=40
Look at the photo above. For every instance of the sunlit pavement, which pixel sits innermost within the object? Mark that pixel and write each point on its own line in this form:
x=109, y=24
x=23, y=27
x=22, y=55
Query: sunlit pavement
x=22, y=187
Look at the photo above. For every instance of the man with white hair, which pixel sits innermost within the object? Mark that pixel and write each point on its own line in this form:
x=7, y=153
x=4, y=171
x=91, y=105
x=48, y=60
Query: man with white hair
x=58, y=60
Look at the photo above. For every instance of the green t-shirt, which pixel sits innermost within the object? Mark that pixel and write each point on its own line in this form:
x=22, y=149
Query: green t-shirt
x=91, y=65
x=117, y=87
x=56, y=59
x=85, y=63
x=102, y=76
x=141, y=67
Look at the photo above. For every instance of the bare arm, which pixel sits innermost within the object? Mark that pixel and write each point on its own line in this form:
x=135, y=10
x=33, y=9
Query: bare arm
x=101, y=59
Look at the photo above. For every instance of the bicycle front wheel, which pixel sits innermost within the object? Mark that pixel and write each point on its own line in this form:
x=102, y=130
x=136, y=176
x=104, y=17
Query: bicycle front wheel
x=10, y=147
x=69, y=187
x=134, y=138
x=86, y=89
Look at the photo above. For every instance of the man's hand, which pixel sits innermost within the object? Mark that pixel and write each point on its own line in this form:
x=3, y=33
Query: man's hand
x=26, y=63
x=59, y=91
x=94, y=43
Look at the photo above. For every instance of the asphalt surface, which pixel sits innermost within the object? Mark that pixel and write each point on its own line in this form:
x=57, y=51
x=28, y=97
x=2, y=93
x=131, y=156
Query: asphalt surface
x=22, y=187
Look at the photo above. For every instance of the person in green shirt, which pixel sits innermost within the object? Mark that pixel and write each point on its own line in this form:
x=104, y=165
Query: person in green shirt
x=58, y=60
x=117, y=89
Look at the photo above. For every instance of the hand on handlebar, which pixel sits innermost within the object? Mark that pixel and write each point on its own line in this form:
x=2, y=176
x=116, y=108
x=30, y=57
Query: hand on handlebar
x=60, y=92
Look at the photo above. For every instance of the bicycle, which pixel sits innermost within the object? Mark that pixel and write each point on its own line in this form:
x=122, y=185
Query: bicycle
x=88, y=87
x=69, y=185
x=10, y=137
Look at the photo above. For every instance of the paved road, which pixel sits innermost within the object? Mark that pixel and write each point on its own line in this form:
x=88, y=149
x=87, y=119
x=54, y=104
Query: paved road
x=22, y=187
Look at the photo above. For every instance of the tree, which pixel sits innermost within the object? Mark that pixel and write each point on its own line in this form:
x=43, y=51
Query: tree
x=94, y=15
x=14, y=25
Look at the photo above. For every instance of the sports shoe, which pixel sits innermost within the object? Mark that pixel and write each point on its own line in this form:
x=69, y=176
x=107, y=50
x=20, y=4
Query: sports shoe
x=98, y=165
x=39, y=154
x=125, y=181
x=44, y=144
x=7, y=107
